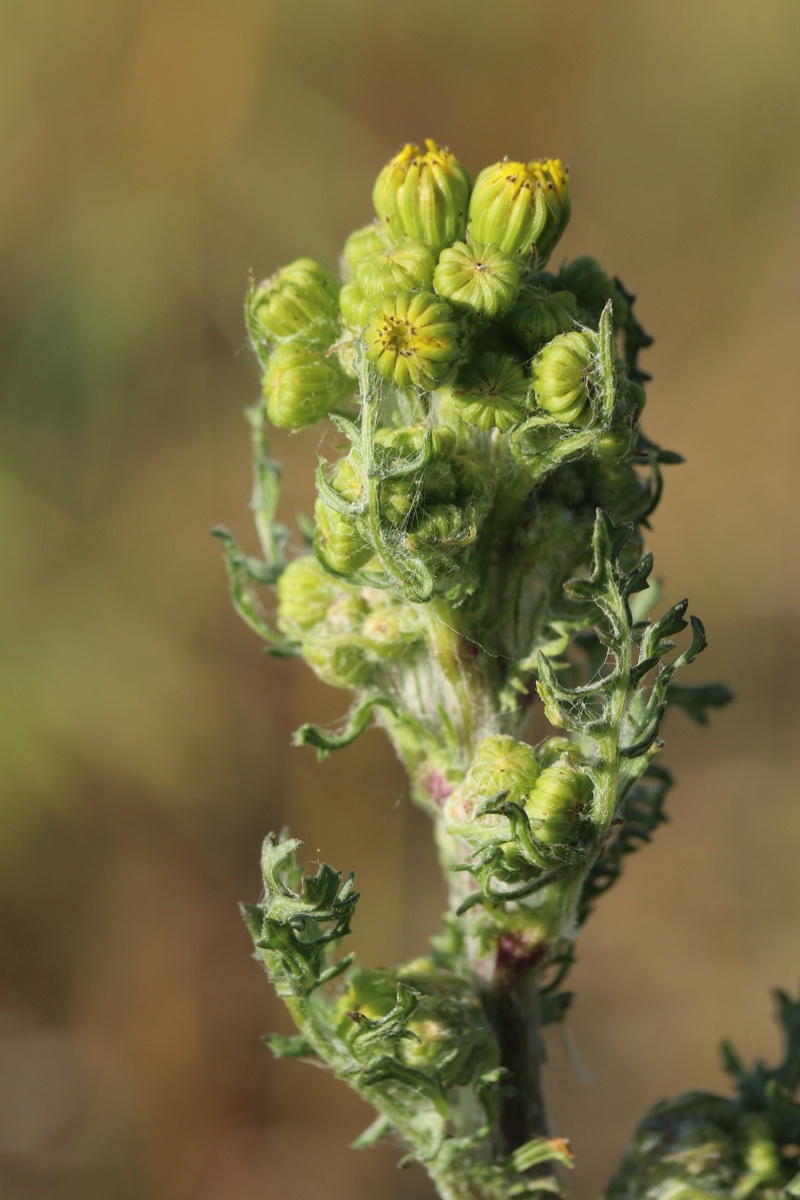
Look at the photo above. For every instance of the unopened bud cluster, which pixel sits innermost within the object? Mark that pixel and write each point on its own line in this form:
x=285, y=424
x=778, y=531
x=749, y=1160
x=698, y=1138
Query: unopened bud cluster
x=475, y=561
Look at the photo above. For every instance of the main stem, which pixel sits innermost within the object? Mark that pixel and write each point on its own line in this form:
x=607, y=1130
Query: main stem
x=508, y=992
x=512, y=1008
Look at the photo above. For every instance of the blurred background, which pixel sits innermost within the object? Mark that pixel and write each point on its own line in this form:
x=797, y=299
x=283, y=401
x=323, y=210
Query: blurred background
x=154, y=151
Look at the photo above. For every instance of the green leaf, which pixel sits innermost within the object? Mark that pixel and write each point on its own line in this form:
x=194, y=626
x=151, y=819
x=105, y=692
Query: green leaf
x=378, y=1032
x=243, y=573
x=380, y=1128
x=325, y=741
x=697, y=699
x=302, y=919
x=295, y=1046
x=542, y=1150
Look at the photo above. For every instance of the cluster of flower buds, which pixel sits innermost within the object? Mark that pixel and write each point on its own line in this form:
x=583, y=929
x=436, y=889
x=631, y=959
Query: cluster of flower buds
x=476, y=542
x=481, y=359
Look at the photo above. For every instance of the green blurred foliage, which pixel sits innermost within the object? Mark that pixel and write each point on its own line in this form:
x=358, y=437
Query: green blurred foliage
x=154, y=151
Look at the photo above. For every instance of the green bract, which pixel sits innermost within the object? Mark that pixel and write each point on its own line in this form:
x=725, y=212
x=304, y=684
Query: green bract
x=478, y=581
x=477, y=279
x=423, y=194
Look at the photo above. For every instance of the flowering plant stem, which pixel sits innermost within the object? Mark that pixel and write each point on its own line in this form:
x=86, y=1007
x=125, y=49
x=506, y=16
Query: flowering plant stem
x=475, y=575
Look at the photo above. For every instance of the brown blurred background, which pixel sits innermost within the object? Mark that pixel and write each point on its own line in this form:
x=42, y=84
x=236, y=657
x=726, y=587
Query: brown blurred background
x=154, y=151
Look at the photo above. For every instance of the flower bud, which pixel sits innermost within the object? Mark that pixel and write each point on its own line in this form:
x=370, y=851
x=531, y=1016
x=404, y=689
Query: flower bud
x=614, y=446
x=552, y=749
x=477, y=279
x=370, y=993
x=560, y=374
x=619, y=491
x=702, y=1147
x=539, y=316
x=409, y=442
x=302, y=385
x=401, y=498
x=476, y=484
x=442, y=528
x=390, y=626
x=305, y=593
x=503, y=764
x=412, y=338
x=491, y=390
x=302, y=298
x=636, y=397
x=432, y=1040
x=405, y=267
x=593, y=289
x=339, y=542
x=360, y=244
x=354, y=306
x=423, y=194
x=557, y=802
x=519, y=205
x=339, y=662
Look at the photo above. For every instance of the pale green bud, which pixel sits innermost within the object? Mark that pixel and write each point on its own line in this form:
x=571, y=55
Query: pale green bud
x=423, y=194
x=552, y=749
x=361, y=244
x=390, y=626
x=346, y=612
x=354, y=306
x=441, y=528
x=402, y=268
x=409, y=441
x=477, y=279
x=412, y=338
x=503, y=764
x=459, y=813
x=619, y=491
x=558, y=802
x=561, y=377
x=593, y=288
x=614, y=446
x=338, y=540
x=305, y=593
x=476, y=484
x=636, y=397
x=339, y=662
x=336, y=650
x=302, y=384
x=518, y=206
x=540, y=315
x=348, y=478
x=400, y=498
x=431, y=1038
x=302, y=298
x=372, y=994
x=491, y=391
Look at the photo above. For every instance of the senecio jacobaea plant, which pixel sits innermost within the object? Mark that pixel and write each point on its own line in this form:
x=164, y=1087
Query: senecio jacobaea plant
x=475, y=570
